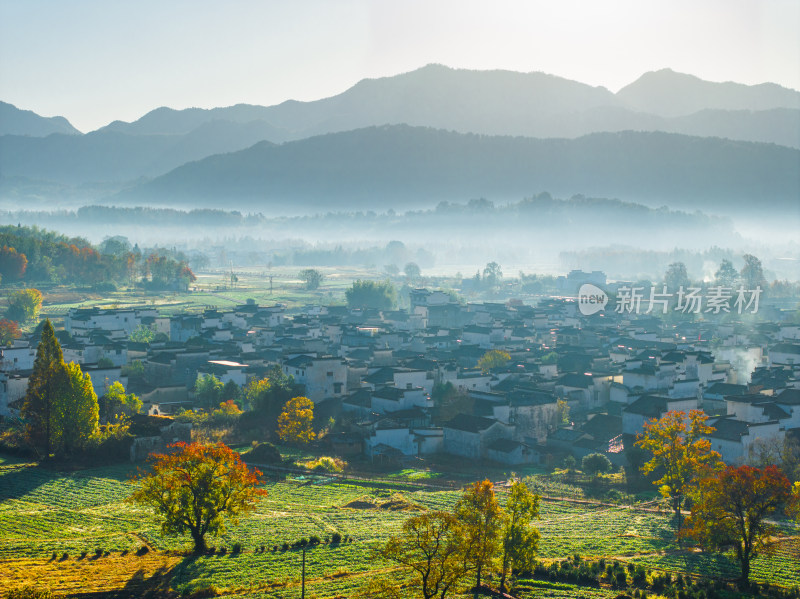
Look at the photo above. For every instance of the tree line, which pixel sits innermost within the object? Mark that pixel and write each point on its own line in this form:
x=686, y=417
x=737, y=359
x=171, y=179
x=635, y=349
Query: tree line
x=34, y=255
x=60, y=411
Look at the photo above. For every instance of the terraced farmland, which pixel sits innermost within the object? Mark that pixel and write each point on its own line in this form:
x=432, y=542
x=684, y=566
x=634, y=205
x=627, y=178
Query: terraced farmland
x=45, y=515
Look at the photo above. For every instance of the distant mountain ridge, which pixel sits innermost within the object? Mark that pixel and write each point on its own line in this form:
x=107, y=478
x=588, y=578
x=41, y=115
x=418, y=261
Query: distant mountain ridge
x=510, y=103
x=111, y=156
x=399, y=165
x=489, y=103
x=14, y=121
x=668, y=94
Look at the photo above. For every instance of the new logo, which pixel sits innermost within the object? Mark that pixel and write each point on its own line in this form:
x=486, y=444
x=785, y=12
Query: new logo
x=591, y=299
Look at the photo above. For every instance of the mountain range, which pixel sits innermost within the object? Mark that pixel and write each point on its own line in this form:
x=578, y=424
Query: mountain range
x=398, y=165
x=564, y=115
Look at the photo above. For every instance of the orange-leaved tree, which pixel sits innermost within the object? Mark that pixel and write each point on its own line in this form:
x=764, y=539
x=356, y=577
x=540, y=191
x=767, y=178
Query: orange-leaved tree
x=9, y=330
x=196, y=487
x=731, y=510
x=680, y=453
x=295, y=422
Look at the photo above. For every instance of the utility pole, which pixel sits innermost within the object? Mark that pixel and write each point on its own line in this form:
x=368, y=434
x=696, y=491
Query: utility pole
x=270, y=284
x=303, y=591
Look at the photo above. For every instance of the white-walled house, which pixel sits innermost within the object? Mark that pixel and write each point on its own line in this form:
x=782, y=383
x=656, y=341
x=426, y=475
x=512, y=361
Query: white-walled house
x=733, y=438
x=512, y=453
x=18, y=357
x=323, y=377
x=789, y=401
x=648, y=407
x=12, y=387
x=408, y=378
x=757, y=408
x=392, y=399
x=784, y=354
x=470, y=436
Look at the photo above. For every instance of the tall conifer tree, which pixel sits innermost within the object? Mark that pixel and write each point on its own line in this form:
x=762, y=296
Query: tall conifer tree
x=45, y=387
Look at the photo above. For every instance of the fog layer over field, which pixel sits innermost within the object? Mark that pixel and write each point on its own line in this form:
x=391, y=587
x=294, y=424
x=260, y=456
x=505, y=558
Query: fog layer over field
x=540, y=234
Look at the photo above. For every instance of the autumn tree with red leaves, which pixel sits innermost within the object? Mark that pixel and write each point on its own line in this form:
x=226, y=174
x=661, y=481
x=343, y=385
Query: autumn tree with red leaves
x=196, y=488
x=731, y=510
x=9, y=330
x=12, y=264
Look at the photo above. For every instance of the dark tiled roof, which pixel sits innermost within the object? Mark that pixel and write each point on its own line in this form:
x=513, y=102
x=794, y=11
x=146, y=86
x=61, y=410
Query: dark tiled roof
x=505, y=445
x=651, y=406
x=727, y=389
x=729, y=429
x=470, y=424
x=789, y=397
x=581, y=381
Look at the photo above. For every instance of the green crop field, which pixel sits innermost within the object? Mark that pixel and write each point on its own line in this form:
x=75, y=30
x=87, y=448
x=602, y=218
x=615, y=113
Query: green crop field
x=45, y=514
x=213, y=289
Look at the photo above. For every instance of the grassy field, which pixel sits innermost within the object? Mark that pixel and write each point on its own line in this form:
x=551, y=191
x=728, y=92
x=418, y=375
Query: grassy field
x=213, y=290
x=52, y=525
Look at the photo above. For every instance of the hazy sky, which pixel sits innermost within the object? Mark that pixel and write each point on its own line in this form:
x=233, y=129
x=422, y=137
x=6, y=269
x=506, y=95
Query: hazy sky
x=94, y=61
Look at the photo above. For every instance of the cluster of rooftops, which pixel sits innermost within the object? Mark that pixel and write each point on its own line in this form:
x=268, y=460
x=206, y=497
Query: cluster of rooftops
x=573, y=384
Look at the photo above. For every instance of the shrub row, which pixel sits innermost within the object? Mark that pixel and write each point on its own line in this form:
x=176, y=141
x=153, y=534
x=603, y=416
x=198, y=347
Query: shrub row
x=638, y=581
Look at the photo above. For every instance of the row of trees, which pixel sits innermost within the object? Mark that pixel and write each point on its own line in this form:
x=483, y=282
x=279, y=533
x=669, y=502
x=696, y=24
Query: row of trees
x=60, y=409
x=750, y=276
x=275, y=399
x=33, y=254
x=731, y=507
x=196, y=488
x=479, y=537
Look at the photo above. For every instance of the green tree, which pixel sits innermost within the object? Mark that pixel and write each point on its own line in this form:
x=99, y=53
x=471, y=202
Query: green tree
x=369, y=294
x=480, y=519
x=295, y=422
x=726, y=275
x=676, y=277
x=268, y=395
x=208, y=390
x=78, y=410
x=492, y=274
x=680, y=452
x=195, y=488
x=231, y=391
x=142, y=334
x=311, y=277
x=134, y=371
x=450, y=401
x=46, y=385
x=495, y=358
x=117, y=398
x=520, y=540
x=24, y=305
x=562, y=413
x=412, y=271
x=752, y=273
x=569, y=463
x=430, y=546
x=794, y=502
x=595, y=464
